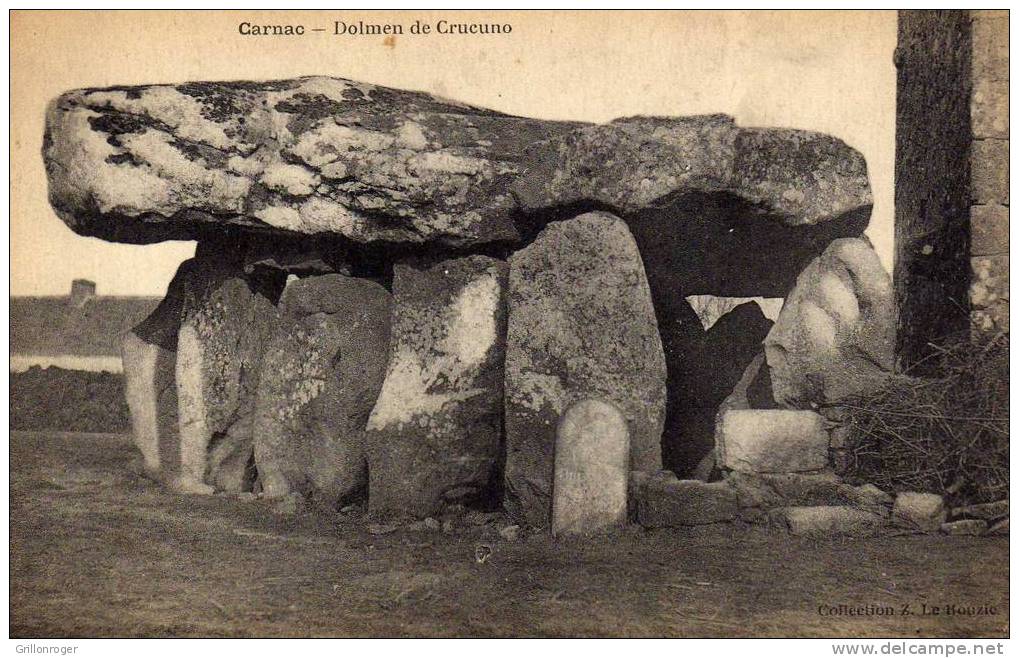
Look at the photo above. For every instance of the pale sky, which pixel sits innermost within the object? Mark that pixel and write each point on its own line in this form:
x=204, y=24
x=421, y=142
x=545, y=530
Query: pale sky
x=826, y=71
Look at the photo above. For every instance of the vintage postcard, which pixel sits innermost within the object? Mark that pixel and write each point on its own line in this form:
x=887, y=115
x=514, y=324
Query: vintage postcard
x=498, y=324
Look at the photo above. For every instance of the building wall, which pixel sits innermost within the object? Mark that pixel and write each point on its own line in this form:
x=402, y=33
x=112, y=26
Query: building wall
x=989, y=171
x=951, y=177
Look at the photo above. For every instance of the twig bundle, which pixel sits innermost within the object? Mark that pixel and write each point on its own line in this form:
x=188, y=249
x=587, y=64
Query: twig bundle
x=946, y=434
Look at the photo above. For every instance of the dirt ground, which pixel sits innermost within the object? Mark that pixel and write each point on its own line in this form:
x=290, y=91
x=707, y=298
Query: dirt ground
x=97, y=551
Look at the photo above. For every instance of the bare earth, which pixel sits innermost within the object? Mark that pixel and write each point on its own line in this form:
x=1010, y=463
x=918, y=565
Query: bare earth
x=97, y=551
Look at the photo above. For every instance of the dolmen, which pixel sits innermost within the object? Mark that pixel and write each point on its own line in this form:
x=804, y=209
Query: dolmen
x=415, y=303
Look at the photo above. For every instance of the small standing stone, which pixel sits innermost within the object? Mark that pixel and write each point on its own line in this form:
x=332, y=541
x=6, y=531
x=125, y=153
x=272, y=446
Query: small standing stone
x=923, y=511
x=592, y=457
x=972, y=527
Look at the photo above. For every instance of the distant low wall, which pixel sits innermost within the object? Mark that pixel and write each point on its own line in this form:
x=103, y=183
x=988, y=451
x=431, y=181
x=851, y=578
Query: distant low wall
x=22, y=362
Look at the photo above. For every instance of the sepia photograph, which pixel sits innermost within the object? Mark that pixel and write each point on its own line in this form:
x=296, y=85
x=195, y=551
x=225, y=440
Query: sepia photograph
x=510, y=324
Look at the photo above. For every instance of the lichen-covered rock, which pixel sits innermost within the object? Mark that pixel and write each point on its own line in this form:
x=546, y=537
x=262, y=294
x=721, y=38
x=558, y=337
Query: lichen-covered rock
x=629, y=164
x=581, y=326
x=149, y=355
x=835, y=336
x=310, y=155
x=434, y=433
x=227, y=318
x=321, y=374
x=592, y=469
x=322, y=155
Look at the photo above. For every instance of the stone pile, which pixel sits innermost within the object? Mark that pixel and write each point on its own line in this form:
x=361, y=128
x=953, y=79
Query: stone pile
x=425, y=304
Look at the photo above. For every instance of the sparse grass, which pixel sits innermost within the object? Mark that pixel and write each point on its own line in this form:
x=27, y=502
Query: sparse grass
x=946, y=434
x=98, y=552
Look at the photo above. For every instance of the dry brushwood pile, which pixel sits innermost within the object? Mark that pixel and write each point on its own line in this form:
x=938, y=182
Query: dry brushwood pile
x=946, y=434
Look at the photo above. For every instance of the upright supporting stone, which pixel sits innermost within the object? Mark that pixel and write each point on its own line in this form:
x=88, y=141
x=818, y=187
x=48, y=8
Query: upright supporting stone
x=581, y=326
x=592, y=457
x=226, y=321
x=835, y=336
x=434, y=434
x=149, y=354
x=321, y=374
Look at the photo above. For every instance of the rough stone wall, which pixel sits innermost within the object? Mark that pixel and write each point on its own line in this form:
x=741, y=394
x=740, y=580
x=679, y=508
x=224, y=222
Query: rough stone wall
x=951, y=176
x=989, y=171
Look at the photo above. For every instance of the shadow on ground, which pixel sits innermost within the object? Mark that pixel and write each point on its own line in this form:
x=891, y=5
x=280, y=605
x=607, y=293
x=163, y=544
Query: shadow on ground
x=98, y=552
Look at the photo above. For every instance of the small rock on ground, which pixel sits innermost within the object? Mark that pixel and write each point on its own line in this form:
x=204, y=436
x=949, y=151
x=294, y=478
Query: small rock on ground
x=664, y=503
x=288, y=505
x=999, y=528
x=921, y=511
x=965, y=527
x=380, y=528
x=510, y=533
x=821, y=521
x=986, y=511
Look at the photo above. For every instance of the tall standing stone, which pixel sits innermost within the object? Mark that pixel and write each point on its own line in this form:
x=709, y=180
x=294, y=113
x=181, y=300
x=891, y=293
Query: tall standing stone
x=434, y=434
x=321, y=374
x=581, y=326
x=149, y=355
x=227, y=319
x=592, y=457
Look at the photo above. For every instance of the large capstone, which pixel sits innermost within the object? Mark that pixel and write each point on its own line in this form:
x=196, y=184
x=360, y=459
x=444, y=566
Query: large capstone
x=434, y=435
x=631, y=164
x=328, y=156
x=312, y=155
x=835, y=336
x=321, y=374
x=227, y=319
x=581, y=325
